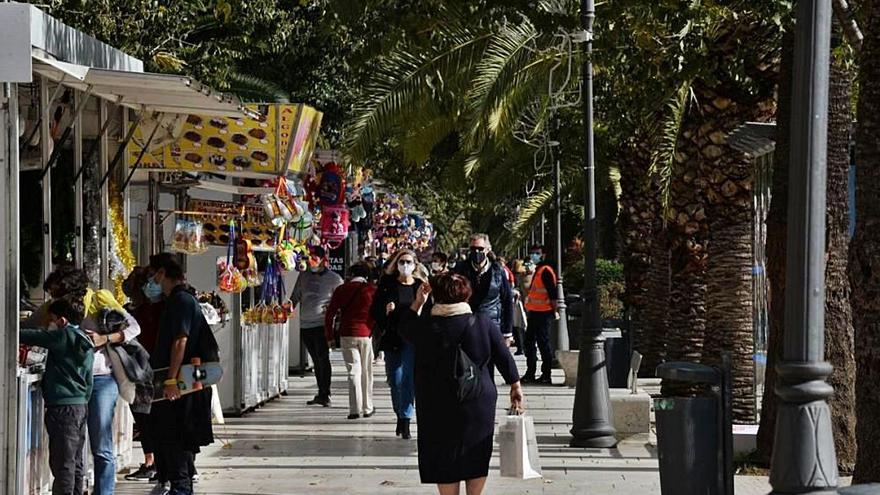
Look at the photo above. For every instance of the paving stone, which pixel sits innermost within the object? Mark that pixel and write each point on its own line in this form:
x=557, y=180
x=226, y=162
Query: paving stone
x=287, y=448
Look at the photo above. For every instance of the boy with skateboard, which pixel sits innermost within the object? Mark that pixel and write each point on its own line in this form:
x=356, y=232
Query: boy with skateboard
x=66, y=386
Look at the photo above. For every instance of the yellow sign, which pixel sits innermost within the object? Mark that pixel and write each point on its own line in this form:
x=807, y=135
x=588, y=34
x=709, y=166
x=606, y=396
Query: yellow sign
x=229, y=144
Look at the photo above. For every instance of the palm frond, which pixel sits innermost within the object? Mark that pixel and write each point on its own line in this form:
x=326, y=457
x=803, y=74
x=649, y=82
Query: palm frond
x=666, y=136
x=253, y=89
x=501, y=68
x=407, y=81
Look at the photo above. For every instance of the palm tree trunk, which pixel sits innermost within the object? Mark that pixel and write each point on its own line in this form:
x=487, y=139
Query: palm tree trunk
x=864, y=268
x=688, y=232
x=839, y=344
x=776, y=249
x=730, y=317
x=637, y=217
x=656, y=310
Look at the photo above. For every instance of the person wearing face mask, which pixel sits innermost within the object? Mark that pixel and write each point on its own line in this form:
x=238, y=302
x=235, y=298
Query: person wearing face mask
x=181, y=425
x=396, y=292
x=492, y=293
x=312, y=292
x=66, y=387
x=541, y=307
x=72, y=284
x=147, y=308
x=439, y=263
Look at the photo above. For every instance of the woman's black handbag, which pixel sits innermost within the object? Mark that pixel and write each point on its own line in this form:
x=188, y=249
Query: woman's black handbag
x=467, y=374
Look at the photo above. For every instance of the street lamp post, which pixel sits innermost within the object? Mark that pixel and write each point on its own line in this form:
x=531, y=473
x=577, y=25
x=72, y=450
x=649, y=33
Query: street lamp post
x=562, y=325
x=804, y=460
x=592, y=405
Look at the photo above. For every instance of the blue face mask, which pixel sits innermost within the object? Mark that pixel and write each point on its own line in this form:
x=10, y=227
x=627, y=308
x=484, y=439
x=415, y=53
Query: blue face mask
x=152, y=290
x=535, y=257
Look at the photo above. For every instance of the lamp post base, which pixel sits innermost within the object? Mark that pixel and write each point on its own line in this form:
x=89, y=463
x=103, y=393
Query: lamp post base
x=592, y=404
x=810, y=465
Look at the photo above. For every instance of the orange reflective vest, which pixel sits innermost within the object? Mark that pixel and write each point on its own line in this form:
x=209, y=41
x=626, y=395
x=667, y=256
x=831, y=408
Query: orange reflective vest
x=538, y=299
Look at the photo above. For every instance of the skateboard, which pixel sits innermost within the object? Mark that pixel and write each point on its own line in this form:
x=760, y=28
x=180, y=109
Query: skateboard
x=192, y=377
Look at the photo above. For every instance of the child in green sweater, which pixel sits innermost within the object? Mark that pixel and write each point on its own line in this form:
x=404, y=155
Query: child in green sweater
x=66, y=386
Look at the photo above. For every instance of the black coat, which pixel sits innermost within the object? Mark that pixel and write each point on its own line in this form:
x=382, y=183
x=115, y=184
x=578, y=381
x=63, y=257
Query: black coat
x=455, y=439
x=388, y=324
x=492, y=294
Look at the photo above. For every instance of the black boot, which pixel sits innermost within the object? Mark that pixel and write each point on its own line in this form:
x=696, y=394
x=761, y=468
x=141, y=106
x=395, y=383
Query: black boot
x=399, y=429
x=404, y=429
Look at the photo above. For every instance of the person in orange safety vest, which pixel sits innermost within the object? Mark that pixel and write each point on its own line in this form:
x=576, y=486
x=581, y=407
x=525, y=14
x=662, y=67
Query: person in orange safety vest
x=541, y=307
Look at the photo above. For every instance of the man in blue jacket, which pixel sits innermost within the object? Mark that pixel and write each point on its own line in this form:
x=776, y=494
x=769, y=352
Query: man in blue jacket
x=492, y=294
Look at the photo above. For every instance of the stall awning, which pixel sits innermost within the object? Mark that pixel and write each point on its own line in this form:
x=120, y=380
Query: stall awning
x=143, y=90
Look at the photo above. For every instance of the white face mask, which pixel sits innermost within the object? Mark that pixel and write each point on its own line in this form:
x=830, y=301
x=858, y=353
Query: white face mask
x=406, y=269
x=437, y=266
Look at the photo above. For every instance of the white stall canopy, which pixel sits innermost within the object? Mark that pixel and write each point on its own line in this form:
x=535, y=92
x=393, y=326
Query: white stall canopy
x=142, y=90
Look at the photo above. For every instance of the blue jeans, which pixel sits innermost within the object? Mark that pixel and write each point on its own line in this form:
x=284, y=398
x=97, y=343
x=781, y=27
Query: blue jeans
x=102, y=407
x=399, y=366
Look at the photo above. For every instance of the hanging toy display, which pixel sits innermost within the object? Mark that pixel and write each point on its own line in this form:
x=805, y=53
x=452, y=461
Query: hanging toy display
x=230, y=278
x=245, y=261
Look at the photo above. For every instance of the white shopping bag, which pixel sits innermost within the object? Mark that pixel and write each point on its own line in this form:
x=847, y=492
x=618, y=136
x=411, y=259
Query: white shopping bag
x=518, y=446
x=216, y=408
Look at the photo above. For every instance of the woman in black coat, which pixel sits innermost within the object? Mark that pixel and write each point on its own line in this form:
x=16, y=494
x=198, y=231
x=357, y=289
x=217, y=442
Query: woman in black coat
x=396, y=292
x=455, y=438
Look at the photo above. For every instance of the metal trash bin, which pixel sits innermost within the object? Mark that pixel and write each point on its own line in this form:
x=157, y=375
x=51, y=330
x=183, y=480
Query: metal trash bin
x=694, y=433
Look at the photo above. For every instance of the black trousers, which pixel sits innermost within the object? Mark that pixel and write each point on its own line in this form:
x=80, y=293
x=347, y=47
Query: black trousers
x=518, y=339
x=538, y=331
x=316, y=344
x=175, y=463
x=66, y=426
x=142, y=423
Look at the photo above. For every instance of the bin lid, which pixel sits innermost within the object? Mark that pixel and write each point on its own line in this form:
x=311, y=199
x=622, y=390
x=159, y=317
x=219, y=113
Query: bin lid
x=689, y=372
x=872, y=489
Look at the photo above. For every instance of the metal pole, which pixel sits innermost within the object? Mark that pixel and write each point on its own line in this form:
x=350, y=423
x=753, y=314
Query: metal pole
x=562, y=324
x=9, y=290
x=804, y=460
x=592, y=405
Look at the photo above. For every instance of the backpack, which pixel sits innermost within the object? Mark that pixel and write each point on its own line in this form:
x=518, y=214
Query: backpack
x=467, y=374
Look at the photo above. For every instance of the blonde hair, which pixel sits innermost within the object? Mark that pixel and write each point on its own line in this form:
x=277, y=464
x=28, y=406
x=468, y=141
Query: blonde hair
x=391, y=265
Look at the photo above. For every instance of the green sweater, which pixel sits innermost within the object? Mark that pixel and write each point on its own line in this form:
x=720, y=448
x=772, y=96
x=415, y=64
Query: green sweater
x=68, y=377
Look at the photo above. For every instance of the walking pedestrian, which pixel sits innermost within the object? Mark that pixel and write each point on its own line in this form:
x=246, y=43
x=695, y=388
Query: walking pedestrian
x=66, y=387
x=397, y=290
x=73, y=284
x=312, y=292
x=350, y=310
x=439, y=263
x=541, y=307
x=492, y=294
x=147, y=310
x=181, y=425
x=456, y=435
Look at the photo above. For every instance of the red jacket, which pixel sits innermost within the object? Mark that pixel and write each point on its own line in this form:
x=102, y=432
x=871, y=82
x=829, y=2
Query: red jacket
x=352, y=300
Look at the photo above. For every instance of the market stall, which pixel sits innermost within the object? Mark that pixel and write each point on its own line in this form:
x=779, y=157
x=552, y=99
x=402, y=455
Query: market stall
x=67, y=103
x=228, y=195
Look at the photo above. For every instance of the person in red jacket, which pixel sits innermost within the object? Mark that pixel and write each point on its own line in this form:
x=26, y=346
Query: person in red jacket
x=350, y=308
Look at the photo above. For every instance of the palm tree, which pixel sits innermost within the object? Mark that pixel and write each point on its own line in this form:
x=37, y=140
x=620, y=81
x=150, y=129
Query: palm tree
x=864, y=267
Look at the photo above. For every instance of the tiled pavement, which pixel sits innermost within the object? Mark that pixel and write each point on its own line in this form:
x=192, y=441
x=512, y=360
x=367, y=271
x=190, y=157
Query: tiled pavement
x=287, y=448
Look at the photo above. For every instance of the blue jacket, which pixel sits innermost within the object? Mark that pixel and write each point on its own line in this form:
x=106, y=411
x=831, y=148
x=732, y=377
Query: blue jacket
x=492, y=295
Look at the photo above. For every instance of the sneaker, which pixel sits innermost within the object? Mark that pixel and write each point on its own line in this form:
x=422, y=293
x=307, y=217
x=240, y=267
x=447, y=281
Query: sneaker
x=545, y=380
x=518, y=353
x=195, y=478
x=354, y=416
x=370, y=414
x=319, y=401
x=161, y=489
x=527, y=379
x=143, y=473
